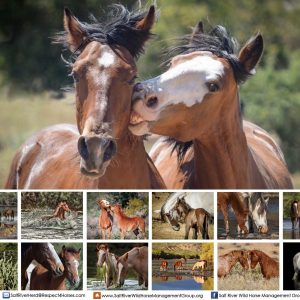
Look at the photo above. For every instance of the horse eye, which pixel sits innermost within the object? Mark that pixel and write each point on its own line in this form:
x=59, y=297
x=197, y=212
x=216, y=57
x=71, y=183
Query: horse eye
x=132, y=81
x=212, y=87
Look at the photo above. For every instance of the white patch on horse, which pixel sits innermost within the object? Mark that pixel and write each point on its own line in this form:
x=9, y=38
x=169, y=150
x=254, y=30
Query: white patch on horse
x=296, y=264
x=54, y=253
x=161, y=154
x=106, y=60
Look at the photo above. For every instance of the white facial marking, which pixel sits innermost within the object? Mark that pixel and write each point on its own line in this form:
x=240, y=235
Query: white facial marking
x=184, y=83
x=107, y=59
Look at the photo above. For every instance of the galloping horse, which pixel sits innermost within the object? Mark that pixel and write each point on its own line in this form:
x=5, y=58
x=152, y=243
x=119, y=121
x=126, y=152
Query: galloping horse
x=9, y=212
x=59, y=212
x=201, y=264
x=236, y=201
x=295, y=213
x=195, y=218
x=105, y=218
x=101, y=148
x=137, y=259
x=109, y=261
x=43, y=279
x=227, y=261
x=127, y=224
x=196, y=104
x=269, y=266
x=44, y=254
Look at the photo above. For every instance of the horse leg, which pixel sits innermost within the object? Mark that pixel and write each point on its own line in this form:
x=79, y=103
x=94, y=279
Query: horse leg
x=103, y=234
x=140, y=279
x=187, y=230
x=224, y=210
x=109, y=232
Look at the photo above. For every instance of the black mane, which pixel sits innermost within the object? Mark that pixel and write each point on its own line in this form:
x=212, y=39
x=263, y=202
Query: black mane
x=219, y=42
x=118, y=29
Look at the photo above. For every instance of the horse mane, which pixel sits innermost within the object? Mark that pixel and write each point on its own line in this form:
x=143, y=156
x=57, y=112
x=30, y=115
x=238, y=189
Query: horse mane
x=184, y=204
x=219, y=42
x=118, y=28
x=71, y=250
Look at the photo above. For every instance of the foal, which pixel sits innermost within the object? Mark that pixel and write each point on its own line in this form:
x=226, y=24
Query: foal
x=126, y=224
x=195, y=218
x=42, y=279
x=227, y=261
x=269, y=266
x=105, y=218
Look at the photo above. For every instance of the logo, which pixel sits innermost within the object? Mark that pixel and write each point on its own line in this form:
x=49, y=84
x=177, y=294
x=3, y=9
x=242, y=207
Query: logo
x=5, y=295
x=214, y=295
x=97, y=295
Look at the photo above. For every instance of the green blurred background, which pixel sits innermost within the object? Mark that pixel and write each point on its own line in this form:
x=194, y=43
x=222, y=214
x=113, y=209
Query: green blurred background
x=32, y=74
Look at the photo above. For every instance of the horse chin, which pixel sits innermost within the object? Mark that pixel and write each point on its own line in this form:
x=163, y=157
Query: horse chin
x=95, y=173
x=139, y=129
x=176, y=228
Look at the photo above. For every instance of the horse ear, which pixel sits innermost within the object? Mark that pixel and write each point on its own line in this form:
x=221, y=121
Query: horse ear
x=198, y=29
x=75, y=33
x=125, y=257
x=267, y=200
x=147, y=22
x=251, y=53
x=97, y=247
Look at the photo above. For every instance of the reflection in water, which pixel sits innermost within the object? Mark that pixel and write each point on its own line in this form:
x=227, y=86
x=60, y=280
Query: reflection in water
x=164, y=278
x=178, y=277
x=200, y=279
x=288, y=232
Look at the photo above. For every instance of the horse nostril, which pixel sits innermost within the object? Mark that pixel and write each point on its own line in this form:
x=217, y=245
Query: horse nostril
x=82, y=147
x=152, y=102
x=110, y=150
x=138, y=87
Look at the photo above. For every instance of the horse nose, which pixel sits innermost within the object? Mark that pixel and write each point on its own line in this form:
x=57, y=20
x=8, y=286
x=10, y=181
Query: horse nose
x=263, y=229
x=59, y=270
x=110, y=149
x=138, y=87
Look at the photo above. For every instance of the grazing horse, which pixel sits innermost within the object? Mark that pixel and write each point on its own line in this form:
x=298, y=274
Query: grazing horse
x=202, y=264
x=178, y=265
x=236, y=201
x=258, y=207
x=227, y=261
x=197, y=219
x=95, y=153
x=294, y=213
x=163, y=266
x=109, y=262
x=196, y=104
x=194, y=200
x=105, y=218
x=59, y=212
x=9, y=212
x=269, y=266
x=43, y=279
x=126, y=224
x=137, y=259
x=44, y=254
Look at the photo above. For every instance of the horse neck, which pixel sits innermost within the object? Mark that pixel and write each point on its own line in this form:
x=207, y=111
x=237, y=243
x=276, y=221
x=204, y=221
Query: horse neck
x=221, y=158
x=58, y=283
x=111, y=264
x=130, y=159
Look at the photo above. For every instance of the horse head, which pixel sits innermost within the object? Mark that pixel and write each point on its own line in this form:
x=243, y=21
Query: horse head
x=71, y=259
x=122, y=266
x=103, y=203
x=102, y=250
x=259, y=212
x=104, y=72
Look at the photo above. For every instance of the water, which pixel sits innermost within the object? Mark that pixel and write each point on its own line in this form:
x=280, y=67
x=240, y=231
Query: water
x=273, y=224
x=129, y=285
x=181, y=279
x=8, y=228
x=288, y=233
x=34, y=227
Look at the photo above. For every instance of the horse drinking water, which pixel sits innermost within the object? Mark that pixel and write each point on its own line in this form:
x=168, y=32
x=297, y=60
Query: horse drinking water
x=196, y=103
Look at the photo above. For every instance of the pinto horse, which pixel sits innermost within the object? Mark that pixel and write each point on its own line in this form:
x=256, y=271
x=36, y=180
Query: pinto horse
x=95, y=153
x=196, y=104
x=105, y=218
x=59, y=212
x=137, y=259
x=43, y=279
x=9, y=212
x=44, y=254
x=227, y=261
x=127, y=224
x=236, y=201
x=269, y=266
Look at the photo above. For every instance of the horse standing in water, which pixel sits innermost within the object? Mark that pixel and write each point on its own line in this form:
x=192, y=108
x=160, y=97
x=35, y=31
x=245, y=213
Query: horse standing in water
x=105, y=218
x=94, y=154
x=9, y=212
x=196, y=104
x=295, y=213
x=44, y=254
x=43, y=279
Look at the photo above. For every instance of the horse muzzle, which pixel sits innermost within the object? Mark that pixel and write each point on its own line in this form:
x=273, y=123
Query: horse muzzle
x=263, y=229
x=96, y=153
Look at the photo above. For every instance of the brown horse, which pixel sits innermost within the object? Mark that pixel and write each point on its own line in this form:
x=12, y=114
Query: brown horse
x=164, y=266
x=137, y=259
x=269, y=266
x=235, y=200
x=43, y=279
x=295, y=213
x=178, y=265
x=196, y=104
x=227, y=261
x=44, y=254
x=127, y=224
x=105, y=218
x=101, y=148
x=195, y=218
x=9, y=212
x=59, y=212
